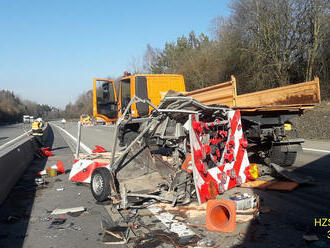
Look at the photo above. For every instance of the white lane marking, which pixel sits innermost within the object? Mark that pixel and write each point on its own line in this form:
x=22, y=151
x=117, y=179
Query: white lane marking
x=15, y=140
x=168, y=220
x=86, y=148
x=316, y=150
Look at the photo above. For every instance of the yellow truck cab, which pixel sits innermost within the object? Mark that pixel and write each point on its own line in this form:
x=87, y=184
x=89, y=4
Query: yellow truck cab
x=109, y=106
x=146, y=86
x=105, y=100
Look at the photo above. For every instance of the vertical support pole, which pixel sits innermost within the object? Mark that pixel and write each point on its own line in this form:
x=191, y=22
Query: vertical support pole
x=78, y=140
x=233, y=80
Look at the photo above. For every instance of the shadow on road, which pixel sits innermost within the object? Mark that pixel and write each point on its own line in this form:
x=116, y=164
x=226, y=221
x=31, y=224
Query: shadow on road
x=15, y=212
x=291, y=215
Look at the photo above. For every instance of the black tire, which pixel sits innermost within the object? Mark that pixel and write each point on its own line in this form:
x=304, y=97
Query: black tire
x=283, y=159
x=129, y=137
x=100, y=184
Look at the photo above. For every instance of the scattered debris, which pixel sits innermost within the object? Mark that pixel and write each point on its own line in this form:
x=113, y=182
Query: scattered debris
x=170, y=222
x=191, y=211
x=206, y=243
x=282, y=186
x=40, y=181
x=271, y=185
x=115, y=235
x=68, y=210
x=12, y=219
x=44, y=219
x=245, y=201
x=59, y=221
x=60, y=189
x=289, y=175
x=58, y=168
x=73, y=227
x=258, y=184
x=310, y=238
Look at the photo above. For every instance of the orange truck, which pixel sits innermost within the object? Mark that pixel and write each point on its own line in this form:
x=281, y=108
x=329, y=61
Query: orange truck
x=265, y=114
x=109, y=101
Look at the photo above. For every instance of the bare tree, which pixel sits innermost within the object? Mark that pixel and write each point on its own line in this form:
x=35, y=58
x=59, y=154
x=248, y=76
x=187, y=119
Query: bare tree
x=319, y=21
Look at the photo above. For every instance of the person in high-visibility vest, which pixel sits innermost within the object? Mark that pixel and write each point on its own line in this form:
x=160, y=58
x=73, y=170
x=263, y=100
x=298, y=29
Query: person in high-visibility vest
x=37, y=131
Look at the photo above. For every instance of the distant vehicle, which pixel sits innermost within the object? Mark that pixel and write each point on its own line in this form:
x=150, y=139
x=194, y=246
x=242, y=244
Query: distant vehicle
x=26, y=119
x=100, y=120
x=31, y=119
x=85, y=119
x=63, y=121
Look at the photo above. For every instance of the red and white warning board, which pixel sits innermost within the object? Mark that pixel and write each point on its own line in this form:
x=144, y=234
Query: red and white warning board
x=82, y=170
x=219, y=156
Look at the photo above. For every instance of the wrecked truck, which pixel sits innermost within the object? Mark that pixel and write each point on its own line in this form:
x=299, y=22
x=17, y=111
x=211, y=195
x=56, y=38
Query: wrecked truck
x=265, y=114
x=196, y=151
x=198, y=148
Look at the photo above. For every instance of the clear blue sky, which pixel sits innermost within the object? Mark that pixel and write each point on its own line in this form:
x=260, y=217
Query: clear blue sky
x=51, y=50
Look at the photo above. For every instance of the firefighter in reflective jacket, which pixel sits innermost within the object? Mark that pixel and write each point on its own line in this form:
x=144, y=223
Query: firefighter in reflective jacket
x=37, y=131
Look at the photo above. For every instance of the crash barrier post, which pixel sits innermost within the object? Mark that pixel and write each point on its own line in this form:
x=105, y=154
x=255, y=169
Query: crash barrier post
x=78, y=140
x=221, y=215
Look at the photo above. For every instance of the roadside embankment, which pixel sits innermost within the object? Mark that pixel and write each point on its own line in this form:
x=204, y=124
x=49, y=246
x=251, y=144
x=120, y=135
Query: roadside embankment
x=14, y=160
x=314, y=123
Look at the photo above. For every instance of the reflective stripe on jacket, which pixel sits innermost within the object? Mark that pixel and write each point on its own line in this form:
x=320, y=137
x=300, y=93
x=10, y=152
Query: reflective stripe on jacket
x=37, y=128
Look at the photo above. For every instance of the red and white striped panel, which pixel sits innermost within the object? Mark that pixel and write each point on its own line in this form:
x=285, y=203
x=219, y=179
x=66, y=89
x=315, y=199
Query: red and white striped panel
x=232, y=162
x=82, y=170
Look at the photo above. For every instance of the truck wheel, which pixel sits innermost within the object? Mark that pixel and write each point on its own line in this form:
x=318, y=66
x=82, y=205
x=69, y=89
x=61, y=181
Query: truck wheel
x=283, y=159
x=129, y=137
x=100, y=184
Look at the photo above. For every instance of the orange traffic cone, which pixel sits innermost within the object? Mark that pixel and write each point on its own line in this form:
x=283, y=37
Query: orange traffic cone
x=221, y=216
x=99, y=149
x=59, y=167
x=187, y=164
x=46, y=152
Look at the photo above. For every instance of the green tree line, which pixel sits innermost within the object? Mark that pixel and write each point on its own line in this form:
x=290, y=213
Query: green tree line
x=264, y=43
x=12, y=108
x=83, y=105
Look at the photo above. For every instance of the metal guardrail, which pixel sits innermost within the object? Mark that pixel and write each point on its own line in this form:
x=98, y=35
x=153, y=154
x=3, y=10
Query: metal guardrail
x=15, y=140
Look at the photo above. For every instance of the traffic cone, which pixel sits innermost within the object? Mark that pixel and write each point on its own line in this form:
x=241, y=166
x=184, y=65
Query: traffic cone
x=99, y=149
x=187, y=164
x=221, y=215
x=46, y=152
x=59, y=168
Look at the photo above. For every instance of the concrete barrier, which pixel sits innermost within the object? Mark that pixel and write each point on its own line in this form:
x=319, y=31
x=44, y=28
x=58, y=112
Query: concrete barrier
x=14, y=160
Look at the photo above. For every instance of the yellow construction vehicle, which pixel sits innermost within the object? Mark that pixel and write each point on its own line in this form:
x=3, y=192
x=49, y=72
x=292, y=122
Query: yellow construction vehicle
x=108, y=106
x=148, y=87
x=85, y=119
x=105, y=100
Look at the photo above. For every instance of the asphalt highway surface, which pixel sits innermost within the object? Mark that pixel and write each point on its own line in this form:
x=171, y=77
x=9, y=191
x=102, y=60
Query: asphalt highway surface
x=295, y=212
x=286, y=219
x=10, y=132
